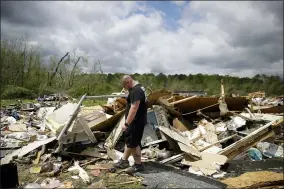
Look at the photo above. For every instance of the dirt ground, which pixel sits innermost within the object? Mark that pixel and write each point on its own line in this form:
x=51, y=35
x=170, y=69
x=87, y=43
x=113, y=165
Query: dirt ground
x=104, y=180
x=252, y=178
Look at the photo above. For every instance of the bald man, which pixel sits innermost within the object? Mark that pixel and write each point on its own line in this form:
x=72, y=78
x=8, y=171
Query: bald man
x=135, y=121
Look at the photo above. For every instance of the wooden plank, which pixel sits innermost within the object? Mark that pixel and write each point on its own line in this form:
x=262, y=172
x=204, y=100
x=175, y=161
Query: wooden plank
x=25, y=150
x=183, y=100
x=154, y=142
x=250, y=144
x=163, y=102
x=172, y=158
x=153, y=97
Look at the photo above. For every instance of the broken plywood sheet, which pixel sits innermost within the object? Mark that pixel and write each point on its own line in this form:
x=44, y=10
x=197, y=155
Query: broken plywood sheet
x=91, y=119
x=174, y=135
x=179, y=125
x=76, y=137
x=95, y=118
x=109, y=123
x=115, y=134
x=209, y=163
x=26, y=149
x=189, y=149
x=82, y=123
x=45, y=112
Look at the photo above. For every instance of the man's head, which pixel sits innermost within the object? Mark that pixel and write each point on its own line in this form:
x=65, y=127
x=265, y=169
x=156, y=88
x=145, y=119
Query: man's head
x=127, y=82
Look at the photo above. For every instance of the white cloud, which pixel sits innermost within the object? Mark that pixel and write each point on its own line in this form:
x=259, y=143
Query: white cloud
x=238, y=38
x=179, y=3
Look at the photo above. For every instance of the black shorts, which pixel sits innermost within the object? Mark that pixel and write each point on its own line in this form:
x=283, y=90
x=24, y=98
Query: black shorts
x=134, y=134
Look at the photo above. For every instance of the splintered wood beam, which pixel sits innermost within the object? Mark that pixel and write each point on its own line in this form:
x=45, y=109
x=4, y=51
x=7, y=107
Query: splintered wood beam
x=183, y=100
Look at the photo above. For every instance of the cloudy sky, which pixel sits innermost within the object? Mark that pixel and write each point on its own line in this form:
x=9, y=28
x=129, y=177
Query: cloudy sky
x=226, y=37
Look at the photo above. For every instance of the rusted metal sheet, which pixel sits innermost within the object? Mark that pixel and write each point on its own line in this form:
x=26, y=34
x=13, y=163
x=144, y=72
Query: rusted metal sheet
x=270, y=110
x=233, y=103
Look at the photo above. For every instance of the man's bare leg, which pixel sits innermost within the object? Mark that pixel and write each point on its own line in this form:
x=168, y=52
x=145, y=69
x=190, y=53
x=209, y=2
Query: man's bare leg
x=137, y=155
x=127, y=153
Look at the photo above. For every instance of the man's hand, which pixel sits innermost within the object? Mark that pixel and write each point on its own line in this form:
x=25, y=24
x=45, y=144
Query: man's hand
x=124, y=127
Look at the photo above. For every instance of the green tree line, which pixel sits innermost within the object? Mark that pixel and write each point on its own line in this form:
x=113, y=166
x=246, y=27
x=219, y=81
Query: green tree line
x=25, y=75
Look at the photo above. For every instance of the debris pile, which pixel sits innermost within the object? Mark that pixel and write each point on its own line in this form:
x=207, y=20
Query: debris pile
x=196, y=134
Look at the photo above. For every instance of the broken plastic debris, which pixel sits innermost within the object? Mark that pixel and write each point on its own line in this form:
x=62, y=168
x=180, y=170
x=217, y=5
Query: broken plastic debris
x=11, y=120
x=41, y=137
x=82, y=173
x=33, y=185
x=235, y=123
x=75, y=177
x=35, y=170
x=254, y=154
x=96, y=172
x=221, y=174
x=191, y=170
x=270, y=150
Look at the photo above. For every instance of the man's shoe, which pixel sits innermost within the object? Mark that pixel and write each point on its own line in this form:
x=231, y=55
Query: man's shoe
x=135, y=168
x=121, y=164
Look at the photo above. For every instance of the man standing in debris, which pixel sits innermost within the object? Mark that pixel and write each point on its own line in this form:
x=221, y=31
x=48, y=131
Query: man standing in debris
x=135, y=121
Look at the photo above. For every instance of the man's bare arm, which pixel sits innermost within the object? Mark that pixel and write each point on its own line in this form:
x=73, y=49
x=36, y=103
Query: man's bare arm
x=132, y=112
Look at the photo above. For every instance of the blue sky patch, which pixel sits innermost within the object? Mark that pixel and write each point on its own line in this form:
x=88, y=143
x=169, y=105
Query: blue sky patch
x=172, y=12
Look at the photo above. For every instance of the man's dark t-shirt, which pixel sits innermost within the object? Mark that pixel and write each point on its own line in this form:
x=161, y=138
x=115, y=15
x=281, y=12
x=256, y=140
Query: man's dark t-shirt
x=137, y=93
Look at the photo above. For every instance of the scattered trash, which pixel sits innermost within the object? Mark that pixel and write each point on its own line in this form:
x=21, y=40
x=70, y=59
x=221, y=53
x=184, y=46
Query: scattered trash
x=194, y=133
x=235, y=123
x=47, y=167
x=96, y=172
x=82, y=173
x=100, y=166
x=50, y=183
x=33, y=185
x=35, y=170
x=66, y=184
x=270, y=150
x=75, y=177
x=254, y=154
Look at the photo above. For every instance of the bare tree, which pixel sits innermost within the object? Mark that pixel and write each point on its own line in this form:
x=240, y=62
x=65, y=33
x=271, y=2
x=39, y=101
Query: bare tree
x=56, y=69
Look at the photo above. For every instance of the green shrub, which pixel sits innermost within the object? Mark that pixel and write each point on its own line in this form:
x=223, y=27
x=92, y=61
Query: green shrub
x=12, y=92
x=45, y=90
